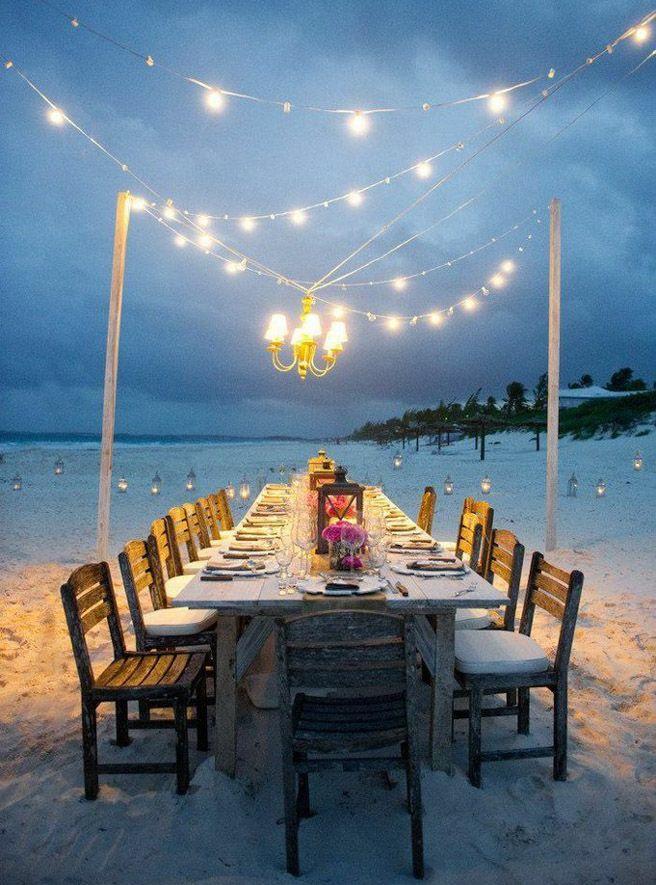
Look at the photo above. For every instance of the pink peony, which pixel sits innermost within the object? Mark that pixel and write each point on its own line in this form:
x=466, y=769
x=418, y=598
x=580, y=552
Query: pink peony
x=354, y=535
x=332, y=533
x=353, y=562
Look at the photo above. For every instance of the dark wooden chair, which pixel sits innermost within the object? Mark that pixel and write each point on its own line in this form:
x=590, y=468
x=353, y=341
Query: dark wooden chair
x=427, y=510
x=497, y=661
x=485, y=514
x=346, y=651
x=168, y=679
x=504, y=569
x=470, y=538
x=225, y=513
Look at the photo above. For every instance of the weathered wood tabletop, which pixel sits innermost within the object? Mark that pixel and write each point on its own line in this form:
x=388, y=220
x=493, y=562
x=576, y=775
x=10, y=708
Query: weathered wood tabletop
x=260, y=599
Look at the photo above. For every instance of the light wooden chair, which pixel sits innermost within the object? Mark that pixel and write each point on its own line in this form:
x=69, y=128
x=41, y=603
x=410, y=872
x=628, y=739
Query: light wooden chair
x=169, y=558
x=199, y=530
x=504, y=570
x=182, y=538
x=210, y=516
x=168, y=679
x=497, y=661
x=345, y=651
x=224, y=511
x=486, y=515
x=427, y=510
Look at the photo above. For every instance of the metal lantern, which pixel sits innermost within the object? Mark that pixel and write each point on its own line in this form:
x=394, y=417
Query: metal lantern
x=230, y=491
x=156, y=485
x=321, y=470
x=600, y=488
x=59, y=467
x=397, y=461
x=637, y=461
x=448, y=486
x=17, y=483
x=572, y=486
x=122, y=484
x=486, y=484
x=244, y=490
x=190, y=484
x=340, y=500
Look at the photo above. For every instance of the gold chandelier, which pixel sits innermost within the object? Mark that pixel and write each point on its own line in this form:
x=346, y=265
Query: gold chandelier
x=304, y=342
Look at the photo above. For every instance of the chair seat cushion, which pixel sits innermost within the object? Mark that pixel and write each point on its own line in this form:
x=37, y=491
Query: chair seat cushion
x=472, y=619
x=175, y=585
x=498, y=651
x=178, y=621
x=225, y=536
x=190, y=568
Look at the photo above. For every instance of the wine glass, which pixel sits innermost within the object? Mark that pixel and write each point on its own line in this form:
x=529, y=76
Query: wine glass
x=283, y=552
x=377, y=557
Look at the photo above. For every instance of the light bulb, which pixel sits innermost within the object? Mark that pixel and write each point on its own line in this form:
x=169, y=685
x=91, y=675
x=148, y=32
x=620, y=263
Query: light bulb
x=338, y=312
x=137, y=204
x=169, y=212
x=354, y=198
x=423, y=169
x=641, y=34
x=358, y=123
x=232, y=267
x=180, y=241
x=215, y=100
x=497, y=280
x=507, y=266
x=298, y=217
x=400, y=284
x=202, y=220
x=205, y=240
x=247, y=224
x=496, y=102
x=436, y=319
x=56, y=117
x=311, y=324
x=393, y=323
x=470, y=303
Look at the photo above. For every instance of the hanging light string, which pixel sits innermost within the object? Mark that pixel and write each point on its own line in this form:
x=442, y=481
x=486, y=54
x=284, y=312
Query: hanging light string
x=323, y=281
x=284, y=104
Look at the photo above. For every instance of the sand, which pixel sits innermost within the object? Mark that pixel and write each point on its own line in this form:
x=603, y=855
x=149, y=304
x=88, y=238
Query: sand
x=521, y=826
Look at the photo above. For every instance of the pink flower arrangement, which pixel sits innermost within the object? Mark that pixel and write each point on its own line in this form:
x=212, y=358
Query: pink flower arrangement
x=340, y=506
x=346, y=539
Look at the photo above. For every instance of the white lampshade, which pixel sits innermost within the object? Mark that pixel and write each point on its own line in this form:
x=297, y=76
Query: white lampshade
x=338, y=330
x=297, y=335
x=277, y=330
x=332, y=342
x=311, y=325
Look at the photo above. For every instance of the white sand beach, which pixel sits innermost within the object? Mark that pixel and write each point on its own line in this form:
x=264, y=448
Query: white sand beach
x=599, y=826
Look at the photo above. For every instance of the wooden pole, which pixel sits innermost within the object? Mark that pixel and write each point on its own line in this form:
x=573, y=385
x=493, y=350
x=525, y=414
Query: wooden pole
x=111, y=367
x=553, y=374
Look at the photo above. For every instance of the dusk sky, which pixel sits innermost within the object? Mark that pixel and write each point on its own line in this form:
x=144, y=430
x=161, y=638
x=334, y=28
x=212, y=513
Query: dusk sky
x=192, y=356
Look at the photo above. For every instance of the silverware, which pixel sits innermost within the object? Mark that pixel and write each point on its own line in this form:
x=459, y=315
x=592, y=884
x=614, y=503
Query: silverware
x=403, y=590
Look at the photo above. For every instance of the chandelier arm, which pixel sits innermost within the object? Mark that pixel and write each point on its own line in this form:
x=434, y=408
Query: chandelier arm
x=279, y=365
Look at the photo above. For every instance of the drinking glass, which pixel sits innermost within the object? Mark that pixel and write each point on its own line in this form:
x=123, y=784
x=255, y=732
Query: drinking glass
x=377, y=557
x=283, y=553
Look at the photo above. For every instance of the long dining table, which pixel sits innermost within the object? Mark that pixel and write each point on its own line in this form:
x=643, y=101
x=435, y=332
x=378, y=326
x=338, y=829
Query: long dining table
x=258, y=598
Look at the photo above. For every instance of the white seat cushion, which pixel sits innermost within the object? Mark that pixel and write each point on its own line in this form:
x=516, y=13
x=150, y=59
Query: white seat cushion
x=472, y=619
x=174, y=585
x=206, y=552
x=498, y=651
x=225, y=536
x=178, y=621
x=190, y=568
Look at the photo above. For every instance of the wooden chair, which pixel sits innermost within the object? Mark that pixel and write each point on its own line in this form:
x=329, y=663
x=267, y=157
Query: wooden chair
x=486, y=515
x=199, y=530
x=496, y=661
x=225, y=513
x=169, y=679
x=160, y=626
x=182, y=538
x=345, y=651
x=504, y=568
x=169, y=558
x=427, y=510
x=210, y=517
x=470, y=538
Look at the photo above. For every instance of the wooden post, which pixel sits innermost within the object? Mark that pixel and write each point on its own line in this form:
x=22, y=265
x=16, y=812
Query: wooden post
x=111, y=366
x=553, y=374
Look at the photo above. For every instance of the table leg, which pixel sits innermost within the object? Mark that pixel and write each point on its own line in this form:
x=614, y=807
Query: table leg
x=442, y=691
x=225, y=729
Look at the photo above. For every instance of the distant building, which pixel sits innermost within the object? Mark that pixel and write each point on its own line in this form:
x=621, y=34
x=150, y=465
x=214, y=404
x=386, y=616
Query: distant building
x=570, y=397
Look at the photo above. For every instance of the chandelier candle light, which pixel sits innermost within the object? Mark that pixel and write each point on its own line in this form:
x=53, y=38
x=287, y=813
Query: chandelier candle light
x=304, y=342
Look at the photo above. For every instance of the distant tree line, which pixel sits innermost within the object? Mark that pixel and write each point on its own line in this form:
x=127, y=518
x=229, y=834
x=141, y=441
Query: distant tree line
x=515, y=410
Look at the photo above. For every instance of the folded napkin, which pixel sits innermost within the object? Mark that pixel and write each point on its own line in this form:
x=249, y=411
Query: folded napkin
x=417, y=544
x=257, y=545
x=246, y=554
x=258, y=519
x=234, y=567
x=255, y=532
x=436, y=564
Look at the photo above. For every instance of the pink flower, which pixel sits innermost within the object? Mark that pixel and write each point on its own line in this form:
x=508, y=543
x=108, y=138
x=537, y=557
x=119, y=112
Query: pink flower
x=332, y=533
x=353, y=535
x=353, y=562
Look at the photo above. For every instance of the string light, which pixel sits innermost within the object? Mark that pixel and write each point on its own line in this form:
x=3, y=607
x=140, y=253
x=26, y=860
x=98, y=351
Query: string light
x=423, y=169
x=436, y=319
x=393, y=323
x=56, y=117
x=137, y=204
x=358, y=123
x=298, y=217
x=641, y=34
x=205, y=241
x=354, y=198
x=169, y=212
x=338, y=312
x=498, y=280
x=400, y=283
x=215, y=100
x=180, y=241
x=497, y=102
x=507, y=266
x=248, y=224
x=470, y=303
x=202, y=220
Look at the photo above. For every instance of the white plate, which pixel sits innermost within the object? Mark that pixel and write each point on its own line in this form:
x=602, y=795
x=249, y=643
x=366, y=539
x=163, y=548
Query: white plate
x=402, y=569
x=315, y=586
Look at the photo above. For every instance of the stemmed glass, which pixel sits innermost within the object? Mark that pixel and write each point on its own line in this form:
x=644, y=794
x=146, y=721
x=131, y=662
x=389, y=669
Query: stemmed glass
x=284, y=553
x=304, y=539
x=377, y=557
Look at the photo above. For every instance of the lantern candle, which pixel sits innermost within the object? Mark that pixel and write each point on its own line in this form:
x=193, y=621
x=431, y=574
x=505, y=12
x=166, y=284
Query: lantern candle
x=156, y=485
x=637, y=461
x=244, y=490
x=486, y=485
x=572, y=486
x=190, y=484
x=448, y=486
x=17, y=483
x=397, y=461
x=59, y=467
x=339, y=501
x=230, y=491
x=122, y=484
x=600, y=488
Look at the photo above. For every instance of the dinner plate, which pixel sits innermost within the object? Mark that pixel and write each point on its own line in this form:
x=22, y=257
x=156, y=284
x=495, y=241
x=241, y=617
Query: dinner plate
x=315, y=586
x=402, y=568
x=242, y=573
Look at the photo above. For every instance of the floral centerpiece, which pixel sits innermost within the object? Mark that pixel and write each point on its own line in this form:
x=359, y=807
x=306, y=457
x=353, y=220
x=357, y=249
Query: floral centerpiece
x=346, y=542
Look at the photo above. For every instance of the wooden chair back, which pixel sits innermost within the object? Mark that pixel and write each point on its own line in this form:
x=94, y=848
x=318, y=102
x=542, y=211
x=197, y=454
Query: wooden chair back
x=180, y=533
x=427, y=509
x=469, y=540
x=167, y=551
x=197, y=526
x=557, y=592
x=225, y=513
x=344, y=650
x=140, y=570
x=88, y=598
x=504, y=563
x=205, y=510
x=486, y=515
